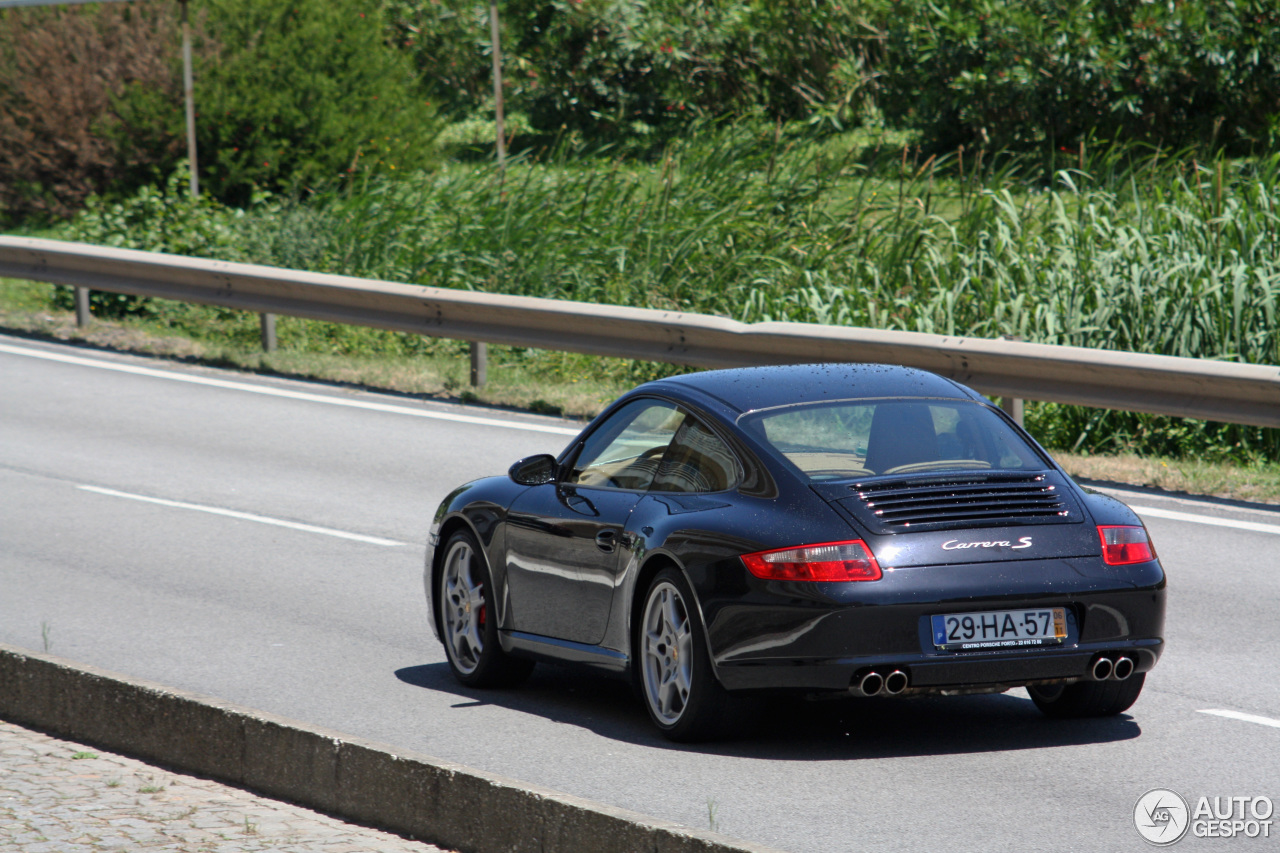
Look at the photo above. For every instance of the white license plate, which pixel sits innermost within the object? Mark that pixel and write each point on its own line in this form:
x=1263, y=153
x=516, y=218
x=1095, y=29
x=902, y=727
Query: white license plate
x=1000, y=629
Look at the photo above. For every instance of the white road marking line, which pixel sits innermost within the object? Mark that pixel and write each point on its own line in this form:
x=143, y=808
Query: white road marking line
x=1173, y=515
x=1248, y=718
x=282, y=392
x=245, y=516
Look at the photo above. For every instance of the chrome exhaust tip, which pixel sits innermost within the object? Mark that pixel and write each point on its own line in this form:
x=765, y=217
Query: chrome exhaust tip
x=1102, y=669
x=1122, y=669
x=871, y=684
x=895, y=682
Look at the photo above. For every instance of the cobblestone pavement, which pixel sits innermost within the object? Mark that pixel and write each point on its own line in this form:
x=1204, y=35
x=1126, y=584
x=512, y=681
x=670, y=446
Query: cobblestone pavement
x=62, y=797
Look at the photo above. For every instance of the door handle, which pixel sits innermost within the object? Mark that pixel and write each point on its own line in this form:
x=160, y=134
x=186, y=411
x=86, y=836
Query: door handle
x=606, y=540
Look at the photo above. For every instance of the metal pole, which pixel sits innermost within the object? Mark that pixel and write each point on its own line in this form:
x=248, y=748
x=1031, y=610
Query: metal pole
x=479, y=364
x=480, y=351
x=268, y=324
x=495, y=35
x=268, y=332
x=1012, y=407
x=189, y=90
x=82, y=307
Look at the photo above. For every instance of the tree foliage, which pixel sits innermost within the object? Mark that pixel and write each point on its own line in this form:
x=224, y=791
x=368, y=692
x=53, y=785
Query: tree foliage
x=1041, y=73
x=986, y=73
x=296, y=93
x=623, y=67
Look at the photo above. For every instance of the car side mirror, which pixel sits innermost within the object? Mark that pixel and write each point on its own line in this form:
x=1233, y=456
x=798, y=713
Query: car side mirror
x=534, y=470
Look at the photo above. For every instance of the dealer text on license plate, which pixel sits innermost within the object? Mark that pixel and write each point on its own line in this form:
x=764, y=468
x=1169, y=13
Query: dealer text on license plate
x=1000, y=629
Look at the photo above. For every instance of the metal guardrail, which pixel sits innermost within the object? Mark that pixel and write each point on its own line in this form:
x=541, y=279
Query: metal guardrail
x=1185, y=387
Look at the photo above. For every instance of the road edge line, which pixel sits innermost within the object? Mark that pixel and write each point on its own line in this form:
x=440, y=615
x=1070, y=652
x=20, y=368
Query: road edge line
x=428, y=799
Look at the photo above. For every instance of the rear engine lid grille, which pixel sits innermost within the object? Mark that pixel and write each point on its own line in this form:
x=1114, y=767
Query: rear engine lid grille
x=898, y=505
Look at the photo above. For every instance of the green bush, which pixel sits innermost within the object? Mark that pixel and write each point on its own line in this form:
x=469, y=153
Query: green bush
x=155, y=219
x=1047, y=74
x=304, y=92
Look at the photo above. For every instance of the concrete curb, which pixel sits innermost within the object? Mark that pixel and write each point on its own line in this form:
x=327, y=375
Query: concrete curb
x=416, y=795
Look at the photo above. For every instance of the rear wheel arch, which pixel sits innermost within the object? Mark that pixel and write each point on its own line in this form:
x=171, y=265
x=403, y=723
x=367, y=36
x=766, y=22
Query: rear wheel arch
x=644, y=579
x=672, y=668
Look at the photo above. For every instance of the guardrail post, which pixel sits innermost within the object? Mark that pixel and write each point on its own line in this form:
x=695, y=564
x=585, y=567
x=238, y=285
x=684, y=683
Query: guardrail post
x=479, y=364
x=268, y=332
x=82, y=307
x=1013, y=407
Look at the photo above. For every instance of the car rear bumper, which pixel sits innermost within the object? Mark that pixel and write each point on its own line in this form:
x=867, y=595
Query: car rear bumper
x=810, y=638
x=962, y=671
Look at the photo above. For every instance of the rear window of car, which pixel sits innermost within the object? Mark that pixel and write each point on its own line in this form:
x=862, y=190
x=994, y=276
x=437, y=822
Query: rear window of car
x=865, y=438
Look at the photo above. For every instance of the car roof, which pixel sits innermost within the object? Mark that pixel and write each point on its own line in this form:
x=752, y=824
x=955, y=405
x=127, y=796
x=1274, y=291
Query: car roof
x=747, y=389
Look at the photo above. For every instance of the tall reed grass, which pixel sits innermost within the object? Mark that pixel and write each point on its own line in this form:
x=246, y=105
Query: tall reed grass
x=1129, y=249
x=1161, y=255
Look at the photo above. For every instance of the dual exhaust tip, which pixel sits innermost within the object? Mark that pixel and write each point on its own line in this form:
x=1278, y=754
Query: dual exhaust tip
x=1107, y=668
x=875, y=683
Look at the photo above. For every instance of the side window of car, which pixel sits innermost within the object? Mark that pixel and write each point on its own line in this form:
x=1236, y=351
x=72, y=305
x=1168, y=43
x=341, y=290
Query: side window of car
x=698, y=461
x=624, y=451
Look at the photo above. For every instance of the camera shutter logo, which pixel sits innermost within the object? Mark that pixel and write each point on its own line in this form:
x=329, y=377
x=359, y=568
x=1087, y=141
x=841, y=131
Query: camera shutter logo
x=1161, y=816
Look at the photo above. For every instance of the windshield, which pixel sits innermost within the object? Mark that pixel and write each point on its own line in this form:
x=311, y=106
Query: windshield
x=863, y=438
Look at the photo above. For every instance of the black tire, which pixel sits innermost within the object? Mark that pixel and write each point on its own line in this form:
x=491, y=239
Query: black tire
x=677, y=685
x=1087, y=698
x=470, y=634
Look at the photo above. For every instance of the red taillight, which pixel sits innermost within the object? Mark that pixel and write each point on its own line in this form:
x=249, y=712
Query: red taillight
x=1124, y=545
x=830, y=561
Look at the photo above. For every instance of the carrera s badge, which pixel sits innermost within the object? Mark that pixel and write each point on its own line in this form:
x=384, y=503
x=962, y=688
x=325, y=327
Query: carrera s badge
x=956, y=544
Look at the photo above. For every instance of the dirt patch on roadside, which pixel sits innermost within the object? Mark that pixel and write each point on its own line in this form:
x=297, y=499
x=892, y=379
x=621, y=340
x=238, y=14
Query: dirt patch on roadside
x=63, y=327
x=1181, y=476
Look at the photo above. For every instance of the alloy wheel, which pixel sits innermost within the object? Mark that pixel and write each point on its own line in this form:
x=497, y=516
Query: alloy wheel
x=667, y=653
x=462, y=607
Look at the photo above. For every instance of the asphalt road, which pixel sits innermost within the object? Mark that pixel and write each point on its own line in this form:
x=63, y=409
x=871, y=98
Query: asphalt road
x=260, y=540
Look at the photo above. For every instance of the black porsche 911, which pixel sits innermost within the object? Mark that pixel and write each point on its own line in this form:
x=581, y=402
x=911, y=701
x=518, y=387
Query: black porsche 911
x=834, y=528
